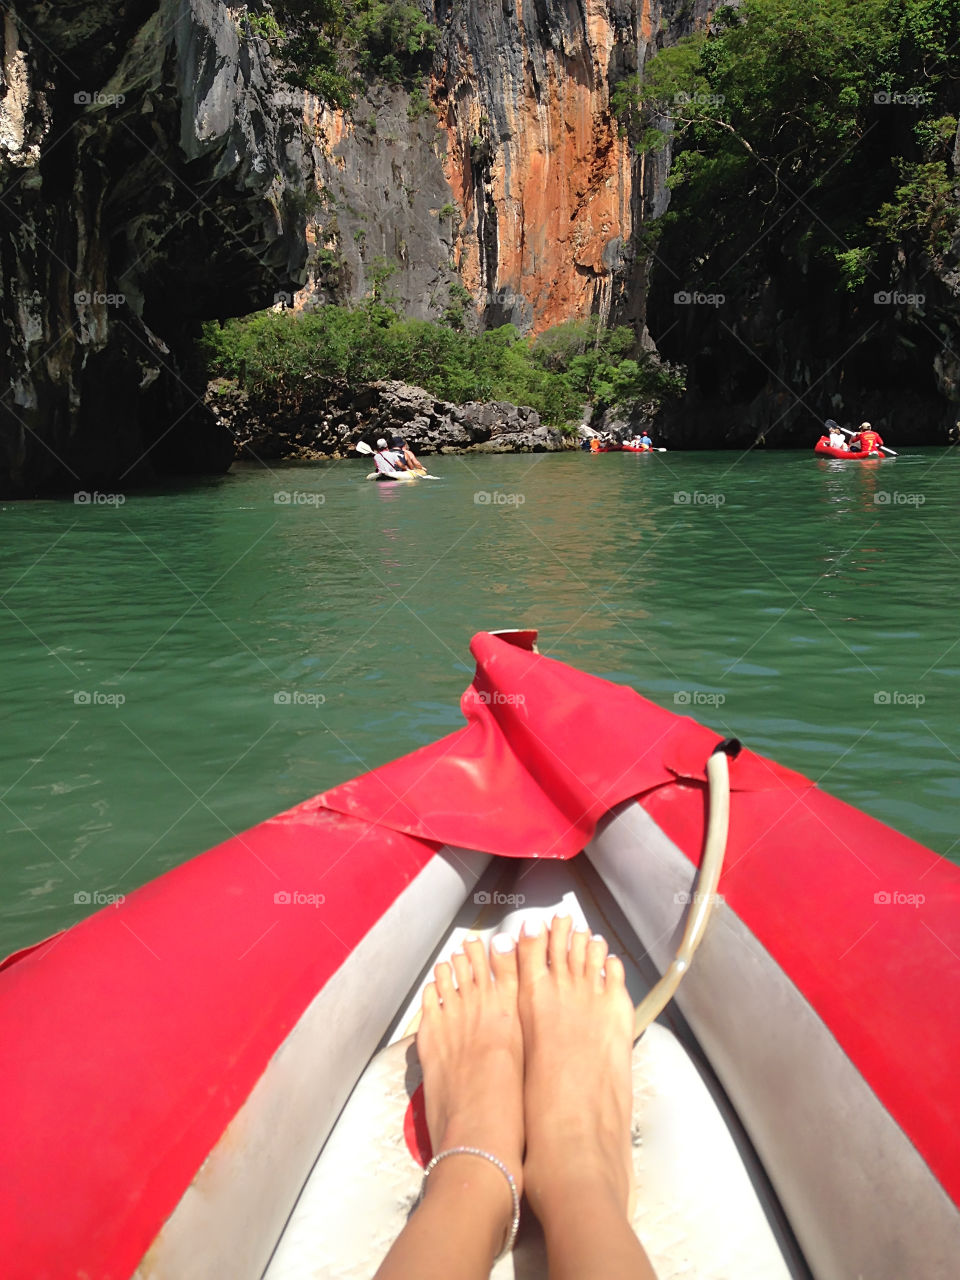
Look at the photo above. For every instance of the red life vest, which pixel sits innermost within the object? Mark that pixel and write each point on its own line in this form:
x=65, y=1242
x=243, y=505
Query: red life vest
x=869, y=441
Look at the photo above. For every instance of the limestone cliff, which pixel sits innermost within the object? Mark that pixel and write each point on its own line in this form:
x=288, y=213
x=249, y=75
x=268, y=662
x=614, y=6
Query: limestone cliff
x=519, y=184
x=151, y=176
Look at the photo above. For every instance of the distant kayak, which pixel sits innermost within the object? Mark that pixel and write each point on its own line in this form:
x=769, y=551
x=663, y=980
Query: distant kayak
x=823, y=447
x=644, y=448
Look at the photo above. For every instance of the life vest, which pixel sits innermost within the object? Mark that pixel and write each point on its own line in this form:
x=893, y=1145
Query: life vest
x=869, y=441
x=594, y=445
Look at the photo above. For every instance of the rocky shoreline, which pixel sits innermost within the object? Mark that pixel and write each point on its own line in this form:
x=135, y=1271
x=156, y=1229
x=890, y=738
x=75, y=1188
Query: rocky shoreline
x=329, y=423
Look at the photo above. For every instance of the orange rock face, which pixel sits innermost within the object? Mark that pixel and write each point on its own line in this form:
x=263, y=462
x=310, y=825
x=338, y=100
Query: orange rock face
x=538, y=165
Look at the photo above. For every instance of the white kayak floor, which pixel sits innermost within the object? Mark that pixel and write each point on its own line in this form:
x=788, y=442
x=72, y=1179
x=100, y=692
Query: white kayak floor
x=704, y=1210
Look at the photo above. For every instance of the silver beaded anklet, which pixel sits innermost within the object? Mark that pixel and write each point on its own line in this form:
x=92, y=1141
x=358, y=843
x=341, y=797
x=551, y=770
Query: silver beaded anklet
x=514, y=1193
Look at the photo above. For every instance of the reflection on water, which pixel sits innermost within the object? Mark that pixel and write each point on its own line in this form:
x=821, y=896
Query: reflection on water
x=182, y=666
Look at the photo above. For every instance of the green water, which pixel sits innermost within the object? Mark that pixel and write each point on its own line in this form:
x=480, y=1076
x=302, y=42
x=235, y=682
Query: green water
x=776, y=604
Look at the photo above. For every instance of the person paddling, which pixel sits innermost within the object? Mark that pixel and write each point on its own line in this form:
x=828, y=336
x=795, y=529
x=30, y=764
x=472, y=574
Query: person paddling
x=409, y=457
x=837, y=439
x=388, y=461
x=866, y=440
x=645, y=442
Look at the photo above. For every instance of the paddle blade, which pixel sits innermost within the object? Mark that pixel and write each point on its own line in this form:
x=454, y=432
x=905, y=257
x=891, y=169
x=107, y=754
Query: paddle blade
x=362, y=447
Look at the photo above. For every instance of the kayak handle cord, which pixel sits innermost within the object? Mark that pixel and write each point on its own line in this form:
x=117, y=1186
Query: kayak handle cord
x=711, y=864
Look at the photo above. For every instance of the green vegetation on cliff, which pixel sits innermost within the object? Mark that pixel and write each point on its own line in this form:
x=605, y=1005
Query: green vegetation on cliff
x=323, y=45
x=826, y=125
x=279, y=356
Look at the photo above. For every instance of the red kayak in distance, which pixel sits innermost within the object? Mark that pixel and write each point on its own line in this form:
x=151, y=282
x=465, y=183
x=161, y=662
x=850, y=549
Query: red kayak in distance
x=644, y=448
x=823, y=447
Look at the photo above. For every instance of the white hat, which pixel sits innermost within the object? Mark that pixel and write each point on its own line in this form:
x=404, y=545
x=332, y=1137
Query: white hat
x=381, y=444
x=864, y=426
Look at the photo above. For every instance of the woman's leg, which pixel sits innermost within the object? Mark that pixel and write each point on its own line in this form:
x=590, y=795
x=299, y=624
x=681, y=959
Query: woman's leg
x=470, y=1046
x=577, y=1021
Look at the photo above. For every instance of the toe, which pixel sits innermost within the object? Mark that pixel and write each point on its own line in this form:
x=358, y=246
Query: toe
x=615, y=978
x=559, y=940
x=503, y=961
x=476, y=953
x=463, y=970
x=532, y=952
x=431, y=998
x=577, y=955
x=596, y=956
x=445, y=984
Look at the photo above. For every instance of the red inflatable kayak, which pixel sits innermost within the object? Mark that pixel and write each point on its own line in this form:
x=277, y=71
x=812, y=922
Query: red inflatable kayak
x=629, y=448
x=823, y=447
x=190, y=1082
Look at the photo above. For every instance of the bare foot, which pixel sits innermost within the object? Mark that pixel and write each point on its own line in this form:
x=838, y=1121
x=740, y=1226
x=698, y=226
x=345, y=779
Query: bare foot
x=577, y=1019
x=470, y=1045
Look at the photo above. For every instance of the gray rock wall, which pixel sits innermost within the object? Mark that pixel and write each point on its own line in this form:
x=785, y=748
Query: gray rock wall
x=149, y=180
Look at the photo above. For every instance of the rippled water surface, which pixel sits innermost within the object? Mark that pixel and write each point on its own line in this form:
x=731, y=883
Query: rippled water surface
x=264, y=649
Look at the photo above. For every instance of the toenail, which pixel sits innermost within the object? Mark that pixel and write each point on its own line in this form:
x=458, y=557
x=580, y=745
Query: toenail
x=503, y=943
x=596, y=937
x=561, y=915
x=532, y=929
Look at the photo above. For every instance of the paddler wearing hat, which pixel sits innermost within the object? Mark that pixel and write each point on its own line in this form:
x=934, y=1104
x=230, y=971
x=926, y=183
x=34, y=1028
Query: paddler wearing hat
x=388, y=461
x=866, y=440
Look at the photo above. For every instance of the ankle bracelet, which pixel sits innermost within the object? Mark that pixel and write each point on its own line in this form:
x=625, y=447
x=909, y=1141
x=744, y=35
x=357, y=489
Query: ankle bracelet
x=514, y=1193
